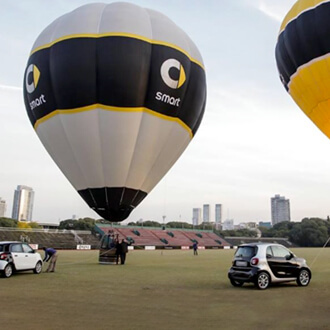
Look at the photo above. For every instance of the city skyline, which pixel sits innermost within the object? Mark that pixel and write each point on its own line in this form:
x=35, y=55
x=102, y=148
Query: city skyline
x=253, y=141
x=280, y=207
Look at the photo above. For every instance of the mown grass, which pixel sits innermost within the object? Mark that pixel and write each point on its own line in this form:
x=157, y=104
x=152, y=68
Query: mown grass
x=161, y=290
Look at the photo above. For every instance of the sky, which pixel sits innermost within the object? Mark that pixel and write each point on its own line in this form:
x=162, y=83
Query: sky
x=254, y=141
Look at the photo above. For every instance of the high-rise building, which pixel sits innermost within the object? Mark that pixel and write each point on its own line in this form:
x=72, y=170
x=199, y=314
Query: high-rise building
x=197, y=216
x=3, y=207
x=206, y=213
x=280, y=208
x=228, y=224
x=23, y=203
x=218, y=213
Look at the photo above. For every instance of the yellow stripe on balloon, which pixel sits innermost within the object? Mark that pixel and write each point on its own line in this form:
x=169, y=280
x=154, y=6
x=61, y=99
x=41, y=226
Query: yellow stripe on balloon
x=111, y=108
x=310, y=88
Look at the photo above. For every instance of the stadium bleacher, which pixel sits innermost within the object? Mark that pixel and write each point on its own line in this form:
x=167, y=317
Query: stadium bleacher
x=142, y=237
x=50, y=238
x=174, y=238
x=206, y=239
x=146, y=237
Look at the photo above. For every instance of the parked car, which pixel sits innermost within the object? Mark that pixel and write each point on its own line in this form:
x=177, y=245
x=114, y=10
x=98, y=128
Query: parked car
x=18, y=256
x=264, y=264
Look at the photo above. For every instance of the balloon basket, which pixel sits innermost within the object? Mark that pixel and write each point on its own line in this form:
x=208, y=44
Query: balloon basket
x=108, y=257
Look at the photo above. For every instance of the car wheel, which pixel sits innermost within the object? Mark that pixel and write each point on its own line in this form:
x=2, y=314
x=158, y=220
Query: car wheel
x=236, y=283
x=303, y=278
x=8, y=271
x=38, y=268
x=263, y=281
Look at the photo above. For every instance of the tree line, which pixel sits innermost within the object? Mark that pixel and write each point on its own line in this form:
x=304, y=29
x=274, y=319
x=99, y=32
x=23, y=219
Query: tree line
x=8, y=222
x=310, y=232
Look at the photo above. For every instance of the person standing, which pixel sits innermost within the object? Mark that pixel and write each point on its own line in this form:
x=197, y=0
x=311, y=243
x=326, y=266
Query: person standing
x=118, y=251
x=50, y=255
x=123, y=251
x=195, y=247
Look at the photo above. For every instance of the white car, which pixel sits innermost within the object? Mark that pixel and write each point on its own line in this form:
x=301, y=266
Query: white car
x=18, y=256
x=267, y=263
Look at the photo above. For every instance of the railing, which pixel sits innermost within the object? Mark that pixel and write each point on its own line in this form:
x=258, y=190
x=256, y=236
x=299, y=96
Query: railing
x=107, y=225
x=255, y=238
x=77, y=238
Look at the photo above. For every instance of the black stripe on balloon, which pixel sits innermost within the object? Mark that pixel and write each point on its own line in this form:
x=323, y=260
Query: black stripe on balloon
x=113, y=204
x=303, y=39
x=114, y=71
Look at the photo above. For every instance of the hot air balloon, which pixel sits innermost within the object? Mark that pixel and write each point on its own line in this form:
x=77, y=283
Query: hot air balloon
x=302, y=56
x=115, y=92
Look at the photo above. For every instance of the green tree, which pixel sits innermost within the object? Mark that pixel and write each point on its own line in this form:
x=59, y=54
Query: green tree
x=314, y=232
x=8, y=222
x=67, y=224
x=308, y=232
x=281, y=229
x=150, y=223
x=80, y=224
x=179, y=224
x=238, y=233
x=34, y=224
x=85, y=224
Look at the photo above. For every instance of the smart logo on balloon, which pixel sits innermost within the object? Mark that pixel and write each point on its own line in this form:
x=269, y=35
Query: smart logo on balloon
x=34, y=73
x=165, y=73
x=170, y=81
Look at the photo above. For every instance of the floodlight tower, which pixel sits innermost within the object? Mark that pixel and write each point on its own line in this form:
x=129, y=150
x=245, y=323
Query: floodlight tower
x=164, y=217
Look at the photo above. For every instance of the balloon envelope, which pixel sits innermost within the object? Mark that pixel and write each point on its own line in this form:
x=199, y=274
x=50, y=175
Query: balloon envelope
x=115, y=93
x=302, y=56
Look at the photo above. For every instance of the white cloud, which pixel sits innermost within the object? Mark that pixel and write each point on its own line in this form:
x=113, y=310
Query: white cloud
x=11, y=88
x=275, y=9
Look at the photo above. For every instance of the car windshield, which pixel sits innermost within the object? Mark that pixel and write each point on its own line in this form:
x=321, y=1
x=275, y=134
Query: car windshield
x=1, y=248
x=245, y=251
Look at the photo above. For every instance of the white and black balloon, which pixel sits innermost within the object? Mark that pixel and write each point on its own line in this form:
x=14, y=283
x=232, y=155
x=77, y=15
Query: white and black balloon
x=115, y=93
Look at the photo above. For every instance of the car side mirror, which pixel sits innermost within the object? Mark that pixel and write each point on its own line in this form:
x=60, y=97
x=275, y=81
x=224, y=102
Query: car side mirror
x=289, y=257
x=268, y=256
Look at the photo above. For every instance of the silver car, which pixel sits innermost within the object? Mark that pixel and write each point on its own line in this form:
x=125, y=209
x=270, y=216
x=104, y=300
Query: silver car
x=18, y=256
x=264, y=264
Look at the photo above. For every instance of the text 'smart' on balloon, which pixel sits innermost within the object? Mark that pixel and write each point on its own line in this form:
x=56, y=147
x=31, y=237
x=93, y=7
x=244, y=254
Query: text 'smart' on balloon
x=303, y=61
x=115, y=93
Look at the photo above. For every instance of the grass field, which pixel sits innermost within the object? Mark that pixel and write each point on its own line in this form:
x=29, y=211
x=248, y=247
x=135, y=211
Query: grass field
x=161, y=290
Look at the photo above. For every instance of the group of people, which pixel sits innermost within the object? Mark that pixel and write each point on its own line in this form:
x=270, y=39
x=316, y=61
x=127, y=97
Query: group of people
x=120, y=247
x=121, y=251
x=51, y=255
